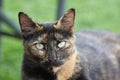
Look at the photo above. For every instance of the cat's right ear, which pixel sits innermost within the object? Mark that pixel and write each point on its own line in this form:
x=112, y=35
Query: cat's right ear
x=26, y=24
x=66, y=22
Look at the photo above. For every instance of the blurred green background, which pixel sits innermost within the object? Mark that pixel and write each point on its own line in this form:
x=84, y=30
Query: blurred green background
x=90, y=14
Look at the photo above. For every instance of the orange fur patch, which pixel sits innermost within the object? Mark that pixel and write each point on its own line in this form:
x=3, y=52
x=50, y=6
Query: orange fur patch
x=39, y=27
x=58, y=25
x=67, y=69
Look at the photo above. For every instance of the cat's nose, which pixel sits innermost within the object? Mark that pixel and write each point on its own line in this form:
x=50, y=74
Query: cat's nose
x=52, y=59
x=52, y=56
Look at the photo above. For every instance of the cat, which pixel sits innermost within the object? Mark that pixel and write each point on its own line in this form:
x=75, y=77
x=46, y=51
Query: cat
x=52, y=51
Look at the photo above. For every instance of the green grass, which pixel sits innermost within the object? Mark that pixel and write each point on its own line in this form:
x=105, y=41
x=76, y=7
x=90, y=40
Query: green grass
x=90, y=14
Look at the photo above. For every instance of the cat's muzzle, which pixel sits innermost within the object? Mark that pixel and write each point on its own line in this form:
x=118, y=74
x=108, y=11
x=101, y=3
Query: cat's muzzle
x=56, y=63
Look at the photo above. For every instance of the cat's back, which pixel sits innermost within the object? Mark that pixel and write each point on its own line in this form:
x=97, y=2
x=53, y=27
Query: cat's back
x=99, y=41
x=100, y=54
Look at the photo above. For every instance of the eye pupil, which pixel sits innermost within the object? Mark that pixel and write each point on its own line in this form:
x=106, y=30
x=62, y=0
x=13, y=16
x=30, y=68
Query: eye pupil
x=39, y=46
x=61, y=44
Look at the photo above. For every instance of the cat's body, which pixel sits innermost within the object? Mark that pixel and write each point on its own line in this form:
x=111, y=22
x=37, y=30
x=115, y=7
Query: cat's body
x=99, y=54
x=52, y=54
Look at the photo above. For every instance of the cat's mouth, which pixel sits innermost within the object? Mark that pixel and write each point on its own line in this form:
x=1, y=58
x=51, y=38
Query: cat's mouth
x=57, y=63
x=50, y=64
x=54, y=66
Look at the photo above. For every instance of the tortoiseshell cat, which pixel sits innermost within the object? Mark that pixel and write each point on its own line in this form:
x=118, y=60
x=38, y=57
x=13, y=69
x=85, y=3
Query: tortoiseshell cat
x=51, y=51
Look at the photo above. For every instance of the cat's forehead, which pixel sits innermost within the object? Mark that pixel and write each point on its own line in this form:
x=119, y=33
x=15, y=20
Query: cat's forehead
x=49, y=32
x=47, y=24
x=50, y=36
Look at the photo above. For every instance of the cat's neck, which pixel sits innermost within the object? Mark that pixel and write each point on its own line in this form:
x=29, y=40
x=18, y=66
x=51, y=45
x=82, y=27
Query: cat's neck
x=70, y=68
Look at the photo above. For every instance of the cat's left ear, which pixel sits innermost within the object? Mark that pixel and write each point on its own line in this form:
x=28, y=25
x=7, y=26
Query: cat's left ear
x=67, y=21
x=28, y=26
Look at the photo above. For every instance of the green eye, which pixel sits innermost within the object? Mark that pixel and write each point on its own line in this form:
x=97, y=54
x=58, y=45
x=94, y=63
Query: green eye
x=39, y=46
x=61, y=44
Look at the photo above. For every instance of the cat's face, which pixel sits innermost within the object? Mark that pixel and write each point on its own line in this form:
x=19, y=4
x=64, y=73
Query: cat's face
x=49, y=44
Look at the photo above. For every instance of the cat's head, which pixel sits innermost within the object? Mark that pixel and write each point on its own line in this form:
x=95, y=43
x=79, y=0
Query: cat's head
x=48, y=43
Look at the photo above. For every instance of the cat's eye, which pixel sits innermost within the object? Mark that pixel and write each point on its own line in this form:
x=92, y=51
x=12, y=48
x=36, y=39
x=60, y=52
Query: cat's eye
x=39, y=46
x=61, y=44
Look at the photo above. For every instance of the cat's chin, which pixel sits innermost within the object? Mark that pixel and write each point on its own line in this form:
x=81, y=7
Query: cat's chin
x=55, y=69
x=56, y=66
